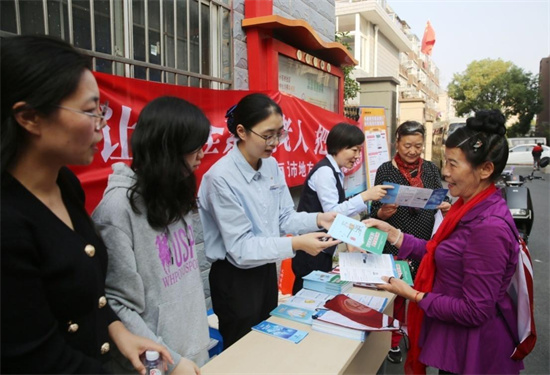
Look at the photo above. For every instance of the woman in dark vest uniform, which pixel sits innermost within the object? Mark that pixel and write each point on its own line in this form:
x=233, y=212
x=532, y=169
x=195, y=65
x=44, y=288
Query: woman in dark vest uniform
x=324, y=192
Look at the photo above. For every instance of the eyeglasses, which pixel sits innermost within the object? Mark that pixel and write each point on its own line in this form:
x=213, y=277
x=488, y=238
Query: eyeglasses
x=271, y=140
x=98, y=118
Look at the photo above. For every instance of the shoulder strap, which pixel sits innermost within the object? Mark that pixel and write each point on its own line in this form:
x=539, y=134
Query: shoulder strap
x=521, y=290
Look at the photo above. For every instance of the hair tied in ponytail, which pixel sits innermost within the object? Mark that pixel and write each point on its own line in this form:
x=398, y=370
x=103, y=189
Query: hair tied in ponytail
x=230, y=116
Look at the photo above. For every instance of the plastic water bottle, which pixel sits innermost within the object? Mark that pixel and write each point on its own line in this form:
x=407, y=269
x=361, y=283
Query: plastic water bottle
x=153, y=363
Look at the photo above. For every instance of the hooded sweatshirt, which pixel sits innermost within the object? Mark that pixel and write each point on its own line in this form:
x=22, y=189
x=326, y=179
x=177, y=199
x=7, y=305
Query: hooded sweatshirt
x=153, y=278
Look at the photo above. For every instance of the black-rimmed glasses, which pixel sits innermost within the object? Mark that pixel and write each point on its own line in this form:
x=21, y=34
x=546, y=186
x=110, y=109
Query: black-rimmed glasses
x=98, y=118
x=271, y=140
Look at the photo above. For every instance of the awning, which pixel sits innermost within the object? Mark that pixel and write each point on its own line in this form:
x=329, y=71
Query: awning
x=299, y=34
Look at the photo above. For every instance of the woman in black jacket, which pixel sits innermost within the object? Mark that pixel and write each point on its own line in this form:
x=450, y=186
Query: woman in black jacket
x=55, y=318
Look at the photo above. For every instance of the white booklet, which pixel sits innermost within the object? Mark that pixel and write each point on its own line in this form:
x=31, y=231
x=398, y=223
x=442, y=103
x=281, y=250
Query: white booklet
x=366, y=268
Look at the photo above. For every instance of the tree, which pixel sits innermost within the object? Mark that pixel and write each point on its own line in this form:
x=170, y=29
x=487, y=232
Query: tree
x=497, y=84
x=351, y=86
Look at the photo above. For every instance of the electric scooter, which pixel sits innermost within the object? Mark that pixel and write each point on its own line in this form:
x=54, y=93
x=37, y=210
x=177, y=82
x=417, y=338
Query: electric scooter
x=518, y=198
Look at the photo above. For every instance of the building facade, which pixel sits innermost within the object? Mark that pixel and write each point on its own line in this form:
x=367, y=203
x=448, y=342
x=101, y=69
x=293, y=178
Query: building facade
x=387, y=50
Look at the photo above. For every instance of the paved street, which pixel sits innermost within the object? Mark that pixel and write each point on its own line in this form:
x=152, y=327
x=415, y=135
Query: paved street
x=538, y=362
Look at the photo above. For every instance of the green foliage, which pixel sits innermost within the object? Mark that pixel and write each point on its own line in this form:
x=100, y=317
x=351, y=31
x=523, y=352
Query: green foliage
x=497, y=84
x=351, y=86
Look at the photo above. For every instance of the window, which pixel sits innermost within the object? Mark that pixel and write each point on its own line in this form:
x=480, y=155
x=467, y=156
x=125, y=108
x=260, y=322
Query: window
x=186, y=42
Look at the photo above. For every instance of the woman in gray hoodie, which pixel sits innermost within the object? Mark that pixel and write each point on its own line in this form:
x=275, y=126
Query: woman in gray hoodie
x=153, y=277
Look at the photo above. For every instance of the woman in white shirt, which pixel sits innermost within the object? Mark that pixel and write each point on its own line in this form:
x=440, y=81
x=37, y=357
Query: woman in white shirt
x=245, y=208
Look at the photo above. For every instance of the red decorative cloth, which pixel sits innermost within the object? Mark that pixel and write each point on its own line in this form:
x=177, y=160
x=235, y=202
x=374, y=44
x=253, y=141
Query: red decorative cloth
x=426, y=273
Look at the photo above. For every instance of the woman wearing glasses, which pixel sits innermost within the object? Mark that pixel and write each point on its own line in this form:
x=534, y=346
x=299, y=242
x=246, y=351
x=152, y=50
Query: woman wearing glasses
x=145, y=218
x=324, y=191
x=409, y=169
x=55, y=317
x=245, y=207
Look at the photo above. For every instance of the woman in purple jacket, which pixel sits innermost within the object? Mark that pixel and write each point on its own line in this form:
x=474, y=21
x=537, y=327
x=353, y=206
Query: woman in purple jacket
x=456, y=323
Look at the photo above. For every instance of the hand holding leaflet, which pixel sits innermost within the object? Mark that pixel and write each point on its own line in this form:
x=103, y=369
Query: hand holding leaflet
x=414, y=197
x=357, y=234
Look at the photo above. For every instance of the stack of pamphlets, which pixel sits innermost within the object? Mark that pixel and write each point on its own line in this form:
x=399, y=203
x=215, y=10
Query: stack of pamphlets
x=326, y=283
x=349, y=318
x=306, y=303
x=338, y=325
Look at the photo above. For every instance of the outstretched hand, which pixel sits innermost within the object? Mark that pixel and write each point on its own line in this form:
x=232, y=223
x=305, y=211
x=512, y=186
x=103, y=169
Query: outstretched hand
x=375, y=193
x=313, y=243
x=325, y=219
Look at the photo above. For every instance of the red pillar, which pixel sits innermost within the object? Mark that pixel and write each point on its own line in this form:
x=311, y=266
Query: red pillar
x=262, y=64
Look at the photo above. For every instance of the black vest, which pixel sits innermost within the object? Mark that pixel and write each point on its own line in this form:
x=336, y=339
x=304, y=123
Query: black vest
x=309, y=201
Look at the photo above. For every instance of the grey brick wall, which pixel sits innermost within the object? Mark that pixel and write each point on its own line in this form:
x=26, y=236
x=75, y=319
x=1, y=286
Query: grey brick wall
x=318, y=13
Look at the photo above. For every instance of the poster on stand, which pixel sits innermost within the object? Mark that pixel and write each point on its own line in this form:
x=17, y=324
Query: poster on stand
x=373, y=120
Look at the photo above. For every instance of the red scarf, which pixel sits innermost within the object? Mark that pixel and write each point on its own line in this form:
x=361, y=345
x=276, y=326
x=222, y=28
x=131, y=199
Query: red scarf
x=426, y=273
x=407, y=169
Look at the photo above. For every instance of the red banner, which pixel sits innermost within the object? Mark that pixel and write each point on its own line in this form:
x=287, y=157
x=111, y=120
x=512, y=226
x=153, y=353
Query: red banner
x=308, y=127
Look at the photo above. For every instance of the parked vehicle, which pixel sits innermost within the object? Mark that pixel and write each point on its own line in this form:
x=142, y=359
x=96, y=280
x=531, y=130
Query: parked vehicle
x=522, y=154
x=525, y=140
x=441, y=131
x=518, y=198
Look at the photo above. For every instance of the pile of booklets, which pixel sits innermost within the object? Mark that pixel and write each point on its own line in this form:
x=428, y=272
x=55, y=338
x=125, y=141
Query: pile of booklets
x=326, y=283
x=311, y=307
x=346, y=317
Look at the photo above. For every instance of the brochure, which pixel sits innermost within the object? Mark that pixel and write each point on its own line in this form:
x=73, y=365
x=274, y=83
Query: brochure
x=313, y=301
x=353, y=314
x=414, y=196
x=366, y=268
x=280, y=331
x=295, y=313
x=404, y=271
x=357, y=234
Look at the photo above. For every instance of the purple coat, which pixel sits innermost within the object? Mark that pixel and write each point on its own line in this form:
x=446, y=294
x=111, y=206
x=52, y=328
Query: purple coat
x=463, y=331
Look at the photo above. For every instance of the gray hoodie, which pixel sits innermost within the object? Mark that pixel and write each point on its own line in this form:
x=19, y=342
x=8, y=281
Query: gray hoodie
x=153, y=278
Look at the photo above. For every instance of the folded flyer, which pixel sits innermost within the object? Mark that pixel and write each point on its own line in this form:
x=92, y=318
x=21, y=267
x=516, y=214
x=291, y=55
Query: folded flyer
x=295, y=313
x=357, y=234
x=280, y=331
x=414, y=196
